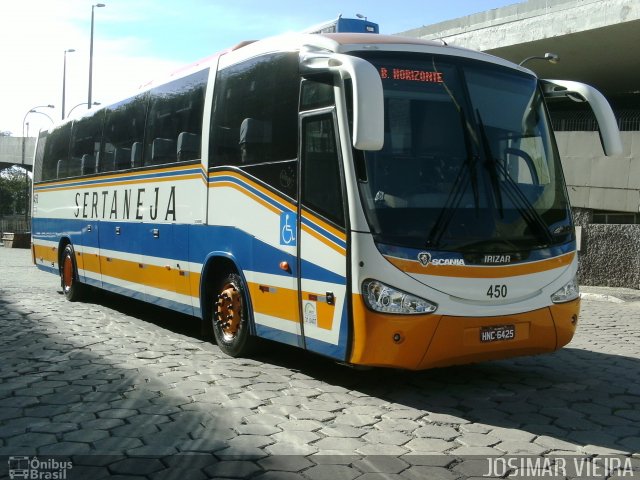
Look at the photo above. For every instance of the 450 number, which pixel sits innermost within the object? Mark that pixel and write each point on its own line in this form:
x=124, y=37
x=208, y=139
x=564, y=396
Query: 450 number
x=497, y=291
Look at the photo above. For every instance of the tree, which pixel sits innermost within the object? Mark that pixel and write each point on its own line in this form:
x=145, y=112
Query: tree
x=13, y=188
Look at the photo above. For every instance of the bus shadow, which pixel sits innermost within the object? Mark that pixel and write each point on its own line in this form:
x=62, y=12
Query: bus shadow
x=587, y=399
x=580, y=397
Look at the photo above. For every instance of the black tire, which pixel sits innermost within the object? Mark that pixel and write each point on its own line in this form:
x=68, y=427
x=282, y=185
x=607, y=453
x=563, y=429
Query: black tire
x=230, y=317
x=71, y=287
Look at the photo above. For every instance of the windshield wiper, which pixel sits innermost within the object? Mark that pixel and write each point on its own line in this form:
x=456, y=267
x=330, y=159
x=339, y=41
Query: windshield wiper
x=519, y=199
x=467, y=173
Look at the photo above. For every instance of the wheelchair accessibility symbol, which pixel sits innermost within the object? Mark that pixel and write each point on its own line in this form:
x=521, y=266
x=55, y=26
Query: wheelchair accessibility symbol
x=288, y=223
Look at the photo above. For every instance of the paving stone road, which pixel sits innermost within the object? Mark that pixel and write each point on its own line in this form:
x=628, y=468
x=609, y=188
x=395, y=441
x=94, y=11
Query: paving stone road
x=126, y=390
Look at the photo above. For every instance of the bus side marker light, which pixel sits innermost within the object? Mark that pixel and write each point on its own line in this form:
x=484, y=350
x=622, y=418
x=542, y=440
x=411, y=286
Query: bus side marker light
x=285, y=266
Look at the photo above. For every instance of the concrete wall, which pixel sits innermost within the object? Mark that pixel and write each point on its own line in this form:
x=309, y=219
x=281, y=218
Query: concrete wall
x=609, y=254
x=598, y=182
x=528, y=22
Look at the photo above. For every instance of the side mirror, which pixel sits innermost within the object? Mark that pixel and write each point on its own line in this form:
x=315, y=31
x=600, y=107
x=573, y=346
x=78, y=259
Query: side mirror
x=368, y=103
x=581, y=92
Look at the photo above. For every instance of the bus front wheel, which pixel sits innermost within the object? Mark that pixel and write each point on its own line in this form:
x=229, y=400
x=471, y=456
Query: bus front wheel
x=71, y=288
x=231, y=318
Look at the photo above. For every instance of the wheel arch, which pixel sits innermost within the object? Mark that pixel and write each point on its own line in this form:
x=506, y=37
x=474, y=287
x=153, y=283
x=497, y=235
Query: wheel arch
x=215, y=267
x=62, y=244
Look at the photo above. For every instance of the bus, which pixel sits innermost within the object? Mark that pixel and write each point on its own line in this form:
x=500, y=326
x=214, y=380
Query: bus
x=345, y=25
x=378, y=200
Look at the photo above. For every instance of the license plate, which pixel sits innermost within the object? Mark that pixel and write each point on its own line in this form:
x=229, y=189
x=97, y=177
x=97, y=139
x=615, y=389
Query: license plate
x=497, y=333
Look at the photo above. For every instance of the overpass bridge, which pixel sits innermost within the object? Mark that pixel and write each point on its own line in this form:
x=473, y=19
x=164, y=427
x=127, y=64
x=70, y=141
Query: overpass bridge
x=11, y=152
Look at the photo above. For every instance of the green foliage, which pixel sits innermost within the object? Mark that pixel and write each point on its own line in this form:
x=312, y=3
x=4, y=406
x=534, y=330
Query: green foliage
x=13, y=190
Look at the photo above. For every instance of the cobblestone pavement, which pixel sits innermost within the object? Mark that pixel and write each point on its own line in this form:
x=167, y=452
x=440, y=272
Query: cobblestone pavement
x=130, y=391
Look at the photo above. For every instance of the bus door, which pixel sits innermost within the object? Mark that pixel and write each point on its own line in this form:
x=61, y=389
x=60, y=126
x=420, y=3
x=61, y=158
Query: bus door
x=322, y=245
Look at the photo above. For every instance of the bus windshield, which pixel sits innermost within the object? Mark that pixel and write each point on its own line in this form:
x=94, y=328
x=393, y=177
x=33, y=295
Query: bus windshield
x=468, y=162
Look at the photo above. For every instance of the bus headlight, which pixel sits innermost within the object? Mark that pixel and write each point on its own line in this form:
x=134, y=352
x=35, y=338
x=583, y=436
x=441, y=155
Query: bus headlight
x=569, y=292
x=383, y=298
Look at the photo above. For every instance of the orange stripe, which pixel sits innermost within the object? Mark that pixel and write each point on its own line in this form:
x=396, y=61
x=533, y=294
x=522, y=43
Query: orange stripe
x=281, y=303
x=324, y=240
x=151, y=275
x=194, y=176
x=246, y=192
x=46, y=253
x=473, y=271
x=257, y=186
x=321, y=223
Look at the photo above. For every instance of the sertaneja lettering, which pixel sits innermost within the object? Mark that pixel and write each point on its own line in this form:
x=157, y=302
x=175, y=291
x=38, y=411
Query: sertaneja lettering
x=108, y=205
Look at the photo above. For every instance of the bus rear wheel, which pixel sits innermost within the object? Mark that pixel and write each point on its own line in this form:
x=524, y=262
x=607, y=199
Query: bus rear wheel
x=231, y=318
x=71, y=288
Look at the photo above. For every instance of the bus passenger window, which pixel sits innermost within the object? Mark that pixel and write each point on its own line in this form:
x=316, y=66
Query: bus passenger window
x=174, y=120
x=257, y=97
x=124, y=126
x=56, y=149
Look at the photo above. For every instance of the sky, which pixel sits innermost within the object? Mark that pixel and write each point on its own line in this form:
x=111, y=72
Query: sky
x=136, y=41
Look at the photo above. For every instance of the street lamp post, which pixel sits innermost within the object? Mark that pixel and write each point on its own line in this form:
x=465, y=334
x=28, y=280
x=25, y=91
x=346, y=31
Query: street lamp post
x=26, y=179
x=89, y=102
x=64, y=78
x=549, y=57
x=83, y=103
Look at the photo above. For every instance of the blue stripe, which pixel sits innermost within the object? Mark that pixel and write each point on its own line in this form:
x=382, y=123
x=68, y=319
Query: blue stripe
x=181, y=243
x=278, y=335
x=252, y=189
x=145, y=297
x=325, y=233
x=107, y=181
x=280, y=206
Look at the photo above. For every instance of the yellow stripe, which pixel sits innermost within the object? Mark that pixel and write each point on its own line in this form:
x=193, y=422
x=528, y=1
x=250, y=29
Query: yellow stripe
x=194, y=176
x=246, y=192
x=321, y=223
x=46, y=253
x=473, y=271
x=255, y=185
x=171, y=279
x=282, y=303
x=153, y=276
x=324, y=240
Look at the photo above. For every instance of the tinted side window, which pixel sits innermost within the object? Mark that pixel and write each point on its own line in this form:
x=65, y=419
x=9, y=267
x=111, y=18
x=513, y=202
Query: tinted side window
x=37, y=163
x=321, y=180
x=317, y=92
x=174, y=122
x=255, y=111
x=85, y=144
x=123, y=135
x=56, y=153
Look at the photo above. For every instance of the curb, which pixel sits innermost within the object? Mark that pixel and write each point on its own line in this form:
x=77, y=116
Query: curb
x=600, y=297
